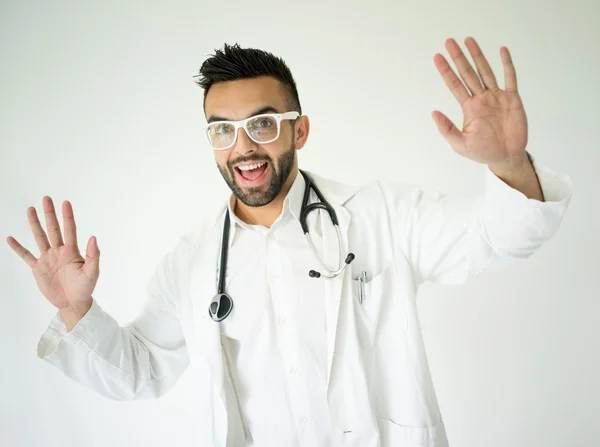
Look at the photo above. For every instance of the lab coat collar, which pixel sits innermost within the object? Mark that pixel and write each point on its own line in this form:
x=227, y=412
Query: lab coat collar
x=291, y=204
x=336, y=193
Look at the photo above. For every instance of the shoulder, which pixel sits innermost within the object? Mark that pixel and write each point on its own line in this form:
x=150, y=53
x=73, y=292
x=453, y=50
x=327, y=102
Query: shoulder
x=207, y=222
x=333, y=190
x=374, y=196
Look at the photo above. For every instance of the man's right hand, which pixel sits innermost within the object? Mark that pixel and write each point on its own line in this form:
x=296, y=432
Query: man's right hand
x=63, y=276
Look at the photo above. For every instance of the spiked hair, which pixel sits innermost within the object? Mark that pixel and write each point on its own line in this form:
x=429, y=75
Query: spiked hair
x=233, y=63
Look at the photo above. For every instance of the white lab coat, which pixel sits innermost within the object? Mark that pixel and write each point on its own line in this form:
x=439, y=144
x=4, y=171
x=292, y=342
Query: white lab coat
x=380, y=391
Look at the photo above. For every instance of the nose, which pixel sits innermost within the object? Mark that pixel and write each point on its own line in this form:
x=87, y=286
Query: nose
x=244, y=144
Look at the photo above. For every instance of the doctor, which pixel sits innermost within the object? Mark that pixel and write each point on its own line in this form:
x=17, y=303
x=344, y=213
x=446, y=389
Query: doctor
x=330, y=358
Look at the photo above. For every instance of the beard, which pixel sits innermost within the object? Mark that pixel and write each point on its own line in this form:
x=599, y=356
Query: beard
x=256, y=196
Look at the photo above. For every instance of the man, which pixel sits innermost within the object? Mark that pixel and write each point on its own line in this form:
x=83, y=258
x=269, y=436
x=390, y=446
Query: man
x=330, y=358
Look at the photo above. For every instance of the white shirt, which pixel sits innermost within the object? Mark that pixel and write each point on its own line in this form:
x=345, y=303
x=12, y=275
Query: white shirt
x=277, y=328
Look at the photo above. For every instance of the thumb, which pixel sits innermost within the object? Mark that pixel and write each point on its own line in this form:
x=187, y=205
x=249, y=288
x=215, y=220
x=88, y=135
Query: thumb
x=449, y=131
x=92, y=259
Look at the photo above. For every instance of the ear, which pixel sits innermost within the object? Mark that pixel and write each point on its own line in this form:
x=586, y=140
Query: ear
x=302, y=125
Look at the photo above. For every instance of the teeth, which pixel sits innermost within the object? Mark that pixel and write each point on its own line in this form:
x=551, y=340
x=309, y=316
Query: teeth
x=251, y=167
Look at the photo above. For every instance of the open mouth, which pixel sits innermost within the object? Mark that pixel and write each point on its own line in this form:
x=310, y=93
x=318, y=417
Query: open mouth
x=253, y=174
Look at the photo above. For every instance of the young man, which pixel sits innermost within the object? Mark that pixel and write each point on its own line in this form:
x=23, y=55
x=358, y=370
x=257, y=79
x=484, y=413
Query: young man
x=330, y=358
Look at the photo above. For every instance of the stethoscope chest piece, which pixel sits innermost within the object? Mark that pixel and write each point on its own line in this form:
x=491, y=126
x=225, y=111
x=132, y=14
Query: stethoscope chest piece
x=220, y=307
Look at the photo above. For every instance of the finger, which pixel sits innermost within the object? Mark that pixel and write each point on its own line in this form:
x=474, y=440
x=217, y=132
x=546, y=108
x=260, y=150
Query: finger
x=464, y=67
x=23, y=253
x=92, y=259
x=52, y=223
x=69, y=223
x=449, y=131
x=510, y=74
x=450, y=79
x=483, y=67
x=39, y=234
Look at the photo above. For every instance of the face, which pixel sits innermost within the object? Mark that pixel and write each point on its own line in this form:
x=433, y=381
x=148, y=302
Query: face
x=237, y=100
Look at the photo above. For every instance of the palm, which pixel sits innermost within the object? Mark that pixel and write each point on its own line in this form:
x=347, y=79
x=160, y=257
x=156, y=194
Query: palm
x=494, y=123
x=60, y=277
x=63, y=276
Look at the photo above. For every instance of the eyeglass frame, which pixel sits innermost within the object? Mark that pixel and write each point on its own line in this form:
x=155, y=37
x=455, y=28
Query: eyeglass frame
x=292, y=115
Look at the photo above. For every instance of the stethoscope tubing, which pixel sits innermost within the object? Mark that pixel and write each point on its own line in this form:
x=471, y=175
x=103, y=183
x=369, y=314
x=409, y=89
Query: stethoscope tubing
x=222, y=304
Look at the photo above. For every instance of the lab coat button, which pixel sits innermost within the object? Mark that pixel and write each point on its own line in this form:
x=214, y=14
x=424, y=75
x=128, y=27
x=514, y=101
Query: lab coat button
x=303, y=421
x=280, y=322
x=274, y=277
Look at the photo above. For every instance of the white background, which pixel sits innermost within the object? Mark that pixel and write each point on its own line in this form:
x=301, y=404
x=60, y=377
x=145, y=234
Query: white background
x=98, y=106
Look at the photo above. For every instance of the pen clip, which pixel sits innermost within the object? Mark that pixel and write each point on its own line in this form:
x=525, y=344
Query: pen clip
x=361, y=286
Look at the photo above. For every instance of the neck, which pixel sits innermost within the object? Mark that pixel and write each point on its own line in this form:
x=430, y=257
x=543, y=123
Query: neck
x=265, y=215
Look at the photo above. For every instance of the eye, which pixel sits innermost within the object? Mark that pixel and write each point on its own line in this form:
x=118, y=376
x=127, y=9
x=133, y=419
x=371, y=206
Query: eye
x=264, y=123
x=222, y=128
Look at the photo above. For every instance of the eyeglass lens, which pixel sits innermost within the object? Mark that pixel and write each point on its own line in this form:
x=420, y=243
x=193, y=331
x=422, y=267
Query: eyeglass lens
x=262, y=129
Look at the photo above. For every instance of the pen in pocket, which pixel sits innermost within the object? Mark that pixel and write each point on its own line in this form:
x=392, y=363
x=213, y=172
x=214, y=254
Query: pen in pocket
x=361, y=286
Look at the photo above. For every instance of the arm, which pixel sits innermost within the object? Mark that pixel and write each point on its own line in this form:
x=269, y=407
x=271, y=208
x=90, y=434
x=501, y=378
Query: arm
x=450, y=239
x=142, y=360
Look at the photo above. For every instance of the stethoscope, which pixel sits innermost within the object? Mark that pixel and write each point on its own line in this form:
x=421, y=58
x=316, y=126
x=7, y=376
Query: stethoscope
x=222, y=304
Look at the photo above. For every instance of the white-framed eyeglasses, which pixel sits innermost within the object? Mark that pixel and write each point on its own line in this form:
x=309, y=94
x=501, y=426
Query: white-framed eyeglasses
x=264, y=128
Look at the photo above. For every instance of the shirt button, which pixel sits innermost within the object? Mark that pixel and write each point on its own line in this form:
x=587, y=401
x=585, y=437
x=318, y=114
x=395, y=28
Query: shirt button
x=303, y=421
x=274, y=277
x=293, y=371
x=280, y=322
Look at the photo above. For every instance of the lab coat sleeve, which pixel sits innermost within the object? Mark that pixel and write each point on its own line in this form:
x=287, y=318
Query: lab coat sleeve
x=141, y=360
x=449, y=239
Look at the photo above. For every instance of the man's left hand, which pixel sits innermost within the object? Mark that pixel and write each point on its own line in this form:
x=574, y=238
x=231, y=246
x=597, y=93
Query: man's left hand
x=495, y=125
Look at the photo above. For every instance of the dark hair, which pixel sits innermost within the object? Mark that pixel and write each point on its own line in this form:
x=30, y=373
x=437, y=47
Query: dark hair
x=234, y=62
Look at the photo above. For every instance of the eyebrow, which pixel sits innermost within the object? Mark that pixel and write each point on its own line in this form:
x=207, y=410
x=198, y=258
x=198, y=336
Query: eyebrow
x=265, y=109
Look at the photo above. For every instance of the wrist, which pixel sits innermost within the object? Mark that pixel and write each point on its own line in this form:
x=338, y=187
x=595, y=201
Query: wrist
x=74, y=312
x=519, y=173
x=512, y=165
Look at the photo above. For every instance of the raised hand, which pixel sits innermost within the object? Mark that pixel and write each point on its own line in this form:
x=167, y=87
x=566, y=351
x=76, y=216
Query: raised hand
x=63, y=276
x=494, y=130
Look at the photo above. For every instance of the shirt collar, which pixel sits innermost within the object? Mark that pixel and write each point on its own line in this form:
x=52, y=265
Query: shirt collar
x=291, y=204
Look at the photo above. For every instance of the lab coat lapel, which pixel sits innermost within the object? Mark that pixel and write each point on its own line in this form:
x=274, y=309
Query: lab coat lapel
x=203, y=288
x=334, y=253
x=207, y=337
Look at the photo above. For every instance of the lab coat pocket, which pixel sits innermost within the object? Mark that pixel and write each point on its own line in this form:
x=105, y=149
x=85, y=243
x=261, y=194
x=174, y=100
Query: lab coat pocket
x=392, y=434
x=382, y=300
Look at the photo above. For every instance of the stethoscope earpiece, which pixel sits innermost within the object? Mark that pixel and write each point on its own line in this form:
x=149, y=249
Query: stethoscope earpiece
x=349, y=259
